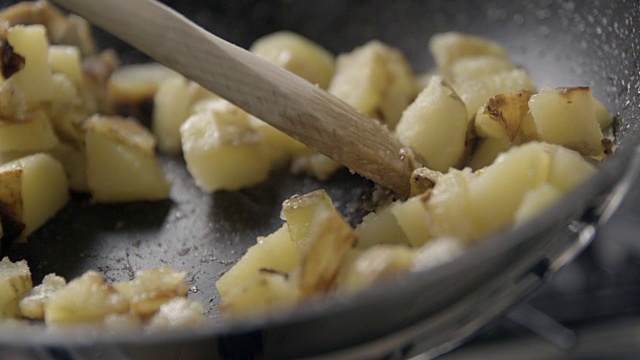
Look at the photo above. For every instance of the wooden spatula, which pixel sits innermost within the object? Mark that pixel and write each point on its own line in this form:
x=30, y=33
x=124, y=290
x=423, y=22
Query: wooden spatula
x=289, y=103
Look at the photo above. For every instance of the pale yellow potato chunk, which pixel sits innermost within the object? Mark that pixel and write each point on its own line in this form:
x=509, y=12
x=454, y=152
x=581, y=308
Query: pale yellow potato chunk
x=274, y=252
x=487, y=150
x=495, y=195
x=74, y=161
x=449, y=208
x=436, y=252
x=178, y=313
x=299, y=210
x=87, y=299
x=411, y=216
x=129, y=85
x=380, y=227
x=567, y=117
x=66, y=60
x=170, y=110
x=450, y=47
x=13, y=103
x=603, y=115
x=267, y=292
x=33, y=189
x=377, y=80
x=376, y=264
x=32, y=133
x=34, y=79
x=32, y=305
x=15, y=282
x=435, y=126
x=361, y=78
x=568, y=169
x=535, y=201
x=477, y=66
x=121, y=165
x=298, y=55
x=475, y=92
x=223, y=151
x=151, y=288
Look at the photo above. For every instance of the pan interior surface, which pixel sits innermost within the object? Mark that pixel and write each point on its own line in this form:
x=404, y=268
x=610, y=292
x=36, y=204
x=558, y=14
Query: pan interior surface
x=560, y=43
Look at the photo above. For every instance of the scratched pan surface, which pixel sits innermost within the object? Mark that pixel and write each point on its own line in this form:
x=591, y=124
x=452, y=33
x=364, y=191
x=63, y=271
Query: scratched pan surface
x=561, y=43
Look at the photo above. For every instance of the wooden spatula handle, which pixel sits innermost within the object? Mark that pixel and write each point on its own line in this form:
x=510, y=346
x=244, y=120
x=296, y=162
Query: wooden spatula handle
x=307, y=113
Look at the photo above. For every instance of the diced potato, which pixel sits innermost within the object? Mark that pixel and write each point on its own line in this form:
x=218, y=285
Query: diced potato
x=33, y=133
x=66, y=60
x=567, y=117
x=297, y=54
x=477, y=91
x=507, y=115
x=449, y=206
x=63, y=91
x=280, y=146
x=411, y=216
x=179, y=313
x=86, y=299
x=435, y=126
x=312, y=163
x=268, y=292
x=377, y=263
x=13, y=104
x=299, y=210
x=151, y=288
x=15, y=282
x=32, y=305
x=329, y=239
x=120, y=162
x=450, y=47
x=131, y=86
x=34, y=79
x=487, y=150
x=275, y=252
x=535, y=201
x=435, y=252
x=74, y=161
x=603, y=116
x=568, y=169
x=68, y=124
x=361, y=79
x=496, y=194
x=380, y=227
x=122, y=322
x=376, y=80
x=223, y=151
x=477, y=66
x=33, y=189
x=170, y=110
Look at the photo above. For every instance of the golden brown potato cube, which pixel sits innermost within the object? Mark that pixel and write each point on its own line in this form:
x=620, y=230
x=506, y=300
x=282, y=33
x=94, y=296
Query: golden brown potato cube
x=151, y=288
x=507, y=115
x=298, y=55
x=32, y=190
x=87, y=299
x=15, y=282
x=328, y=241
x=32, y=133
x=274, y=252
x=121, y=164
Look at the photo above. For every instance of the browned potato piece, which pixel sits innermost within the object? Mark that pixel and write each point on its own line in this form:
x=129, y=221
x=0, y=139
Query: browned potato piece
x=507, y=115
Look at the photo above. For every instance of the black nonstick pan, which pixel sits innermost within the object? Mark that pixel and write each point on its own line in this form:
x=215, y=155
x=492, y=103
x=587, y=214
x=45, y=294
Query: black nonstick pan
x=560, y=43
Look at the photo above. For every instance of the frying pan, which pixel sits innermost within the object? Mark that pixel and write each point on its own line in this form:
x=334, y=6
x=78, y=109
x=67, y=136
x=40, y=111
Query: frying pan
x=560, y=43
